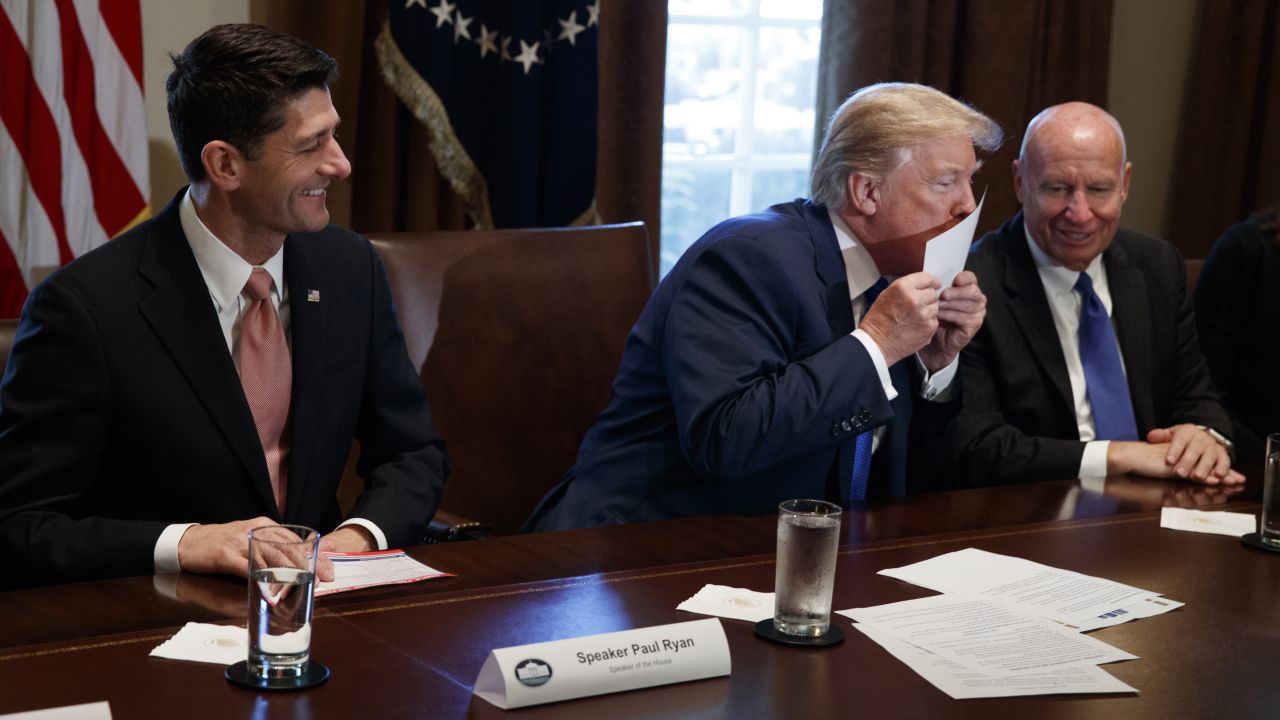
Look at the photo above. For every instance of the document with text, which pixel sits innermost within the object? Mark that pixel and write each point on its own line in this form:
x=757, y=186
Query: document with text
x=354, y=571
x=1082, y=602
x=962, y=683
x=986, y=636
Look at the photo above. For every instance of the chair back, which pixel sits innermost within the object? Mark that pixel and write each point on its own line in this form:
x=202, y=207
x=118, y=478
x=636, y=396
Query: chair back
x=8, y=329
x=517, y=335
x=1193, y=273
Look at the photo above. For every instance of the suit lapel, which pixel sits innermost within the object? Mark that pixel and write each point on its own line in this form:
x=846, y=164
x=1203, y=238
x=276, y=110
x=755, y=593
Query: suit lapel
x=1030, y=310
x=308, y=313
x=1130, y=315
x=181, y=314
x=829, y=267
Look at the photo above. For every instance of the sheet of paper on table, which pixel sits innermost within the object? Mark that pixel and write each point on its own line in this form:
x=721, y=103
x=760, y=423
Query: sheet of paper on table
x=354, y=571
x=730, y=602
x=206, y=642
x=986, y=636
x=962, y=683
x=1216, y=522
x=1082, y=602
x=87, y=711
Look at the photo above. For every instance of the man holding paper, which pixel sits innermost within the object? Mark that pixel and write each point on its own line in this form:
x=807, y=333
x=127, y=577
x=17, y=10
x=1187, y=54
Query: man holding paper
x=761, y=370
x=1088, y=363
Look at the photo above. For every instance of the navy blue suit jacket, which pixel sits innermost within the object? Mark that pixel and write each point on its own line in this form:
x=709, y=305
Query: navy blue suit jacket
x=121, y=410
x=740, y=386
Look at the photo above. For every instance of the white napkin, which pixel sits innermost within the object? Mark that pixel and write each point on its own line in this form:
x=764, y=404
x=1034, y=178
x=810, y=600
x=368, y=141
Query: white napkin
x=1217, y=522
x=204, y=642
x=730, y=602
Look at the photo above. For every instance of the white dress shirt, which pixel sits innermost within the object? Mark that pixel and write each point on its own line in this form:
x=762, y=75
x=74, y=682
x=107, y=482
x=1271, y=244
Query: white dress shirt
x=1064, y=304
x=225, y=274
x=861, y=272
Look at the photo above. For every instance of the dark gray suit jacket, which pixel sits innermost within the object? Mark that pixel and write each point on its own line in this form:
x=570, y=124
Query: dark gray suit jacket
x=121, y=410
x=1018, y=422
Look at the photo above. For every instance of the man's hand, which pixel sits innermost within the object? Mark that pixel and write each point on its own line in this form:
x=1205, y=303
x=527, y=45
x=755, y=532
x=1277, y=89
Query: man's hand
x=224, y=548
x=1195, y=454
x=219, y=548
x=961, y=310
x=1152, y=459
x=348, y=538
x=904, y=317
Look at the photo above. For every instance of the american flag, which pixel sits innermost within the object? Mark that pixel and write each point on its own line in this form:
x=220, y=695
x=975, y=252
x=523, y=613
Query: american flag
x=509, y=93
x=73, y=138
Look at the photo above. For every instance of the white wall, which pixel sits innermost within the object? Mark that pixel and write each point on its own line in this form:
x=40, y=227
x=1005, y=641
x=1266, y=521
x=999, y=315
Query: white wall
x=167, y=26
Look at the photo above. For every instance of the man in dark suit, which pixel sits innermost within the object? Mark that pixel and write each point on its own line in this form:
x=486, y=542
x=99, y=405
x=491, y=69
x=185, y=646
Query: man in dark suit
x=760, y=361
x=1087, y=364
x=206, y=372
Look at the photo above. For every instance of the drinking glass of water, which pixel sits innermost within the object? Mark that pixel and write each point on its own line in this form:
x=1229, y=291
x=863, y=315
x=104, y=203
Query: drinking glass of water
x=282, y=573
x=1269, y=529
x=808, y=536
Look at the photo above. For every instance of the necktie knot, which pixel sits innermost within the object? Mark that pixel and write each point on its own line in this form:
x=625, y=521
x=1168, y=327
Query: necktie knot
x=1084, y=285
x=874, y=291
x=259, y=285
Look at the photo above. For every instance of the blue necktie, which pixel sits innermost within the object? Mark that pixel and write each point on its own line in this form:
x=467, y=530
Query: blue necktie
x=862, y=443
x=1103, y=374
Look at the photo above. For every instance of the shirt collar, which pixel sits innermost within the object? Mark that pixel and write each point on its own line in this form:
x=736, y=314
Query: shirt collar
x=859, y=267
x=1060, y=280
x=225, y=272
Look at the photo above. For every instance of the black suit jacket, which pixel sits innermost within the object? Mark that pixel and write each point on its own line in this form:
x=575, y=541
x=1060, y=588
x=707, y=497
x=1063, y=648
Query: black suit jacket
x=1238, y=318
x=740, y=387
x=121, y=410
x=1018, y=422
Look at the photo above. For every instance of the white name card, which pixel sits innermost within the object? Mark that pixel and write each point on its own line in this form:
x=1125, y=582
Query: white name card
x=597, y=664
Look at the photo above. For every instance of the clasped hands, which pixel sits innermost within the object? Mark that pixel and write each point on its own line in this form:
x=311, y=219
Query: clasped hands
x=1183, y=451
x=910, y=316
x=224, y=548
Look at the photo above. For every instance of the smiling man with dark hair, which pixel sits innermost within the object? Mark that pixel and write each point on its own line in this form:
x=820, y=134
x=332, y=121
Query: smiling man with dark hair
x=206, y=372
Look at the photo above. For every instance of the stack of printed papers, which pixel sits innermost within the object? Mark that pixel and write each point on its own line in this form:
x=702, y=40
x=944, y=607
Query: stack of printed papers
x=1006, y=626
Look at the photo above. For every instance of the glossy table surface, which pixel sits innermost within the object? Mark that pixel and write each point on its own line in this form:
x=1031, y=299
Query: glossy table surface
x=415, y=650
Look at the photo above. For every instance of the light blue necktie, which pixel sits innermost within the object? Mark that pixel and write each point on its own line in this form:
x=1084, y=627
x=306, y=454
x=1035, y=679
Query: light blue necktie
x=862, y=443
x=1103, y=373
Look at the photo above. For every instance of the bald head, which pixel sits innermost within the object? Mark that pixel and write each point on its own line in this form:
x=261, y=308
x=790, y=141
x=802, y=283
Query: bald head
x=1072, y=178
x=1085, y=123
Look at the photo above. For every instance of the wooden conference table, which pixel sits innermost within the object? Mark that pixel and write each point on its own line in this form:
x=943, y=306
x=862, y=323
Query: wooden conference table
x=414, y=651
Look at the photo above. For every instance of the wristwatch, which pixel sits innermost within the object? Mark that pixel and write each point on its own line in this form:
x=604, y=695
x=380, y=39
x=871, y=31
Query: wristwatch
x=1222, y=439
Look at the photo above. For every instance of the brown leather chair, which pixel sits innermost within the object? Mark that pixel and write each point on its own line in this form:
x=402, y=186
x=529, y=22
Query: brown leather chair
x=517, y=335
x=8, y=329
x=1193, y=273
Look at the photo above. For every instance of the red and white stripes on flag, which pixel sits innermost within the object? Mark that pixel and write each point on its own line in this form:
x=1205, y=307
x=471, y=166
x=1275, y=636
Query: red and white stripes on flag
x=73, y=134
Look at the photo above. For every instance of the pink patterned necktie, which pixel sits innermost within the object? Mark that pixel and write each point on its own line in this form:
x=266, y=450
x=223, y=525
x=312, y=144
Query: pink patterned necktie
x=267, y=376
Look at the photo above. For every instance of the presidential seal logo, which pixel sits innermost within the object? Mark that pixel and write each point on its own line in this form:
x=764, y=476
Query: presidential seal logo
x=533, y=672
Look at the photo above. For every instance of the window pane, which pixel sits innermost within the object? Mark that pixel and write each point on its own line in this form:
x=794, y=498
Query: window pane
x=806, y=9
x=711, y=7
x=693, y=199
x=704, y=89
x=770, y=187
x=785, y=99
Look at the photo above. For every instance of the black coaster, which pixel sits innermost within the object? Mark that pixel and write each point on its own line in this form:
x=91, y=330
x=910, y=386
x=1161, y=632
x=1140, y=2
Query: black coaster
x=238, y=674
x=1254, y=541
x=766, y=630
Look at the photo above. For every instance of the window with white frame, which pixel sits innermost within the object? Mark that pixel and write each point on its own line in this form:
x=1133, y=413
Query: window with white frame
x=739, y=111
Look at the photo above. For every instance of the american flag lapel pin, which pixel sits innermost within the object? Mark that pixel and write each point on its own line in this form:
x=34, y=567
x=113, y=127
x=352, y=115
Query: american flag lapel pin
x=313, y=296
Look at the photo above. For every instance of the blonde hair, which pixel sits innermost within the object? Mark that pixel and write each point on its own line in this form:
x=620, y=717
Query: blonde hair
x=873, y=131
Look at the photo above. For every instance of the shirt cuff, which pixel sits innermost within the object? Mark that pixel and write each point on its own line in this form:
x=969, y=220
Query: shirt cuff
x=877, y=359
x=165, y=556
x=1093, y=463
x=937, y=386
x=374, y=530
